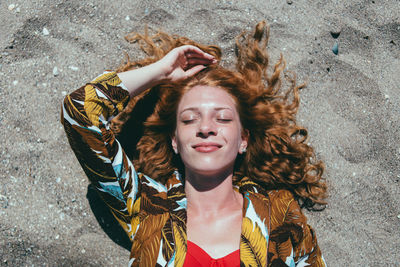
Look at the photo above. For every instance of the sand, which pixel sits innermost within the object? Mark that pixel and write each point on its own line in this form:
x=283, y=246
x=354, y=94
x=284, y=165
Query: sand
x=49, y=216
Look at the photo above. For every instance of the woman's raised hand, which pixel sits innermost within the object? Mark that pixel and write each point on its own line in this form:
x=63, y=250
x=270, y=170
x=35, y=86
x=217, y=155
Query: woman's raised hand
x=180, y=63
x=184, y=61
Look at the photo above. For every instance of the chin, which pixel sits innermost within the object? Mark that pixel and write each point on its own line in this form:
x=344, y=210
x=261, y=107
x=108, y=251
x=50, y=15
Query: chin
x=205, y=170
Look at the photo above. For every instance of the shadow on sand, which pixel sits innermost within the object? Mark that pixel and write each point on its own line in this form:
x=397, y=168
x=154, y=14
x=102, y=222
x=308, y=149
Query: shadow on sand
x=106, y=220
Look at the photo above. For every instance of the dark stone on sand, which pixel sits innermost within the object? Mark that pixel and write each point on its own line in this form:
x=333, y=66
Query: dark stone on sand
x=335, y=33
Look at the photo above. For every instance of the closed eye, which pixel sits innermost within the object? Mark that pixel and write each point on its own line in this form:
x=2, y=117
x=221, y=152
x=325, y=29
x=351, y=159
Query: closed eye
x=224, y=120
x=188, y=121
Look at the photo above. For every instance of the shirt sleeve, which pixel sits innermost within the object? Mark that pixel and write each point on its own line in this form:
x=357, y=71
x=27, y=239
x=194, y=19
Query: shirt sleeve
x=305, y=249
x=86, y=115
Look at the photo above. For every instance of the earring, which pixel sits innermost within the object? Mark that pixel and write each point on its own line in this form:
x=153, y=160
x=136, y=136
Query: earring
x=244, y=150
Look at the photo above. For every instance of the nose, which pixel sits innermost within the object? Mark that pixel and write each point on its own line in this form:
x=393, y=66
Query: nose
x=207, y=127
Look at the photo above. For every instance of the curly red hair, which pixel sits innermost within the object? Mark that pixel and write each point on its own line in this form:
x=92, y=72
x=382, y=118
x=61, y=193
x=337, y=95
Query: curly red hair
x=277, y=156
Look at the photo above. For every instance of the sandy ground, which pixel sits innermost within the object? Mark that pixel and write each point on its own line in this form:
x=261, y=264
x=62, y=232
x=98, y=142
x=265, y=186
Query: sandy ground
x=49, y=217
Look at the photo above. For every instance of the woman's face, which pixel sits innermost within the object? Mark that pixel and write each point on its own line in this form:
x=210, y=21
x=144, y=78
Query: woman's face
x=208, y=134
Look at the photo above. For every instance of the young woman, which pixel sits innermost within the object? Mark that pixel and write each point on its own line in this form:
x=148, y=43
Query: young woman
x=220, y=166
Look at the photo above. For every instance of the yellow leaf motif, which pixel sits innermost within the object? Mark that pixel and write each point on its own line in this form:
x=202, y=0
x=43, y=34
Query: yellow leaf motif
x=180, y=244
x=280, y=201
x=114, y=81
x=111, y=78
x=253, y=245
x=133, y=206
x=92, y=105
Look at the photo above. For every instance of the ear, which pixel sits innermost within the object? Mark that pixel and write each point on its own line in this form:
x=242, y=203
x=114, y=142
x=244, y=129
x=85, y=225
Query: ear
x=174, y=144
x=243, y=144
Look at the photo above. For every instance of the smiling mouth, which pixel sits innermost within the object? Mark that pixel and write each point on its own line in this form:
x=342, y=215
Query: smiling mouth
x=206, y=147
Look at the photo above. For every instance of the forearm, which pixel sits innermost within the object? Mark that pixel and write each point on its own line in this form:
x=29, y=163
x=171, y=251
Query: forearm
x=180, y=63
x=86, y=113
x=138, y=80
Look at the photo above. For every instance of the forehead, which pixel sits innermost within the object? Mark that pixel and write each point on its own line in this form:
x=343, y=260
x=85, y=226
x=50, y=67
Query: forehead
x=206, y=96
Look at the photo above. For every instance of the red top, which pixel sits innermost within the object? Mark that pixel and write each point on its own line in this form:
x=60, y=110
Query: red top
x=197, y=257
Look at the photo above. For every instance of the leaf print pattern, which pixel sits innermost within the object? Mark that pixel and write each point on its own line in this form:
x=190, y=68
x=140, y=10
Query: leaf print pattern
x=167, y=237
x=253, y=245
x=149, y=238
x=274, y=230
x=180, y=238
x=284, y=238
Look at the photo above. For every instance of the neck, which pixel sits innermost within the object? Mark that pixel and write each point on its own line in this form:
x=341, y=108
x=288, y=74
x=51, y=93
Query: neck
x=210, y=195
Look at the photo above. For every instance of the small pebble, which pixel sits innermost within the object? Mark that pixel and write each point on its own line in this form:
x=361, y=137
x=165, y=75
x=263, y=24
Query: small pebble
x=15, y=82
x=335, y=48
x=57, y=237
x=83, y=251
x=18, y=10
x=11, y=7
x=55, y=71
x=45, y=31
x=127, y=18
x=74, y=68
x=58, y=180
x=335, y=33
x=398, y=216
x=289, y=2
x=386, y=96
x=64, y=93
x=335, y=26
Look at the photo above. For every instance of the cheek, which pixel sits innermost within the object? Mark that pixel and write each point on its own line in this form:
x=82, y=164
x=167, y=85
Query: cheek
x=233, y=136
x=182, y=136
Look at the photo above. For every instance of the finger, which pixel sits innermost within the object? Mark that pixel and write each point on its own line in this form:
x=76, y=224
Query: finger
x=200, y=61
x=197, y=55
x=192, y=71
x=200, y=55
x=193, y=51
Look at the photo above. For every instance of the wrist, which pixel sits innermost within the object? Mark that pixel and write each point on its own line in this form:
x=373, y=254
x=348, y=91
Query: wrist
x=158, y=72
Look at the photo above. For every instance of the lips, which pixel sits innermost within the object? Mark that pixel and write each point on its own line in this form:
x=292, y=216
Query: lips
x=207, y=147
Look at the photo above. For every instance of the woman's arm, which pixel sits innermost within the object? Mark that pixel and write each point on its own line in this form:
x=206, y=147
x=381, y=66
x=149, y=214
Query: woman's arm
x=180, y=63
x=86, y=115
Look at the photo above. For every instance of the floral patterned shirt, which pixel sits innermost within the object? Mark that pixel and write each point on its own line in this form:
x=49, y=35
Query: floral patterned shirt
x=274, y=230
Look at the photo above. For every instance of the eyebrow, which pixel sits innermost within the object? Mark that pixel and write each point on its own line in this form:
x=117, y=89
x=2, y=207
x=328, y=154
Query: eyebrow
x=197, y=109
